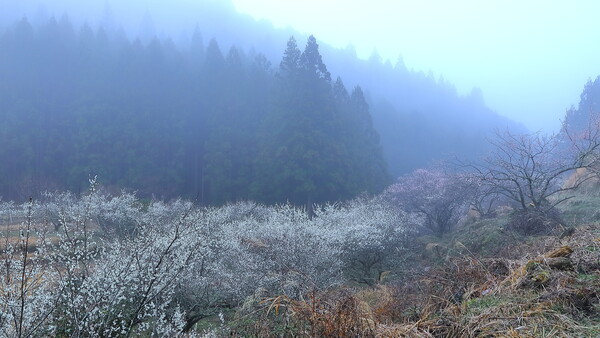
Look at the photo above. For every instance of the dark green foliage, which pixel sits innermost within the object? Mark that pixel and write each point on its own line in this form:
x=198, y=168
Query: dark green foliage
x=290, y=64
x=164, y=121
x=315, y=142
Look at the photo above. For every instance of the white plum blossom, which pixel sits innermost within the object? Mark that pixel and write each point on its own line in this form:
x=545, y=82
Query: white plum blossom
x=107, y=265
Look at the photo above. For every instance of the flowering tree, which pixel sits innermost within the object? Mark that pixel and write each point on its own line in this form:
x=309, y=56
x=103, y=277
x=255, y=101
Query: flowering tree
x=107, y=265
x=26, y=293
x=441, y=198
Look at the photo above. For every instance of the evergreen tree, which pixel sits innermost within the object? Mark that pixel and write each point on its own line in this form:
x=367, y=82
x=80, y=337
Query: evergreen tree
x=196, y=49
x=370, y=167
x=312, y=61
x=290, y=64
x=305, y=155
x=229, y=150
x=368, y=170
x=588, y=109
x=340, y=94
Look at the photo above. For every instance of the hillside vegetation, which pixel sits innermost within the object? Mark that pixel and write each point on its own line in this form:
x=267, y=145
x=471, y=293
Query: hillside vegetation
x=506, y=247
x=116, y=265
x=265, y=204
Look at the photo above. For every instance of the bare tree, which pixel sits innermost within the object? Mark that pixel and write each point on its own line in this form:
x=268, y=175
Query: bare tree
x=583, y=136
x=485, y=196
x=530, y=168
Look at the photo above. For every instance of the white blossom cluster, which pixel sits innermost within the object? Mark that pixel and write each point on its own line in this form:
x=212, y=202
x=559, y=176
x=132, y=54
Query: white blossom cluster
x=101, y=265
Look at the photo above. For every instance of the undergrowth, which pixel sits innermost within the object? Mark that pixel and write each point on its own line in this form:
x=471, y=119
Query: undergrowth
x=460, y=288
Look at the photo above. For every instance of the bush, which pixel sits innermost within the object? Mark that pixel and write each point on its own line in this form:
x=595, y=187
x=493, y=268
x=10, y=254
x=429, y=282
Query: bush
x=534, y=221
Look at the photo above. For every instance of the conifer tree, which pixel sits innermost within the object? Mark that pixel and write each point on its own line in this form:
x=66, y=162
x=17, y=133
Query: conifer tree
x=304, y=158
x=290, y=63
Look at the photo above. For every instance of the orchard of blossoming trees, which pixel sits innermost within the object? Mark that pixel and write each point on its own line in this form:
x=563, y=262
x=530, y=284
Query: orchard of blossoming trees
x=102, y=265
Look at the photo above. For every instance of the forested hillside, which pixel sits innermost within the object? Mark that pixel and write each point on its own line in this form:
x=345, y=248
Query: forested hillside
x=218, y=126
x=586, y=112
x=216, y=123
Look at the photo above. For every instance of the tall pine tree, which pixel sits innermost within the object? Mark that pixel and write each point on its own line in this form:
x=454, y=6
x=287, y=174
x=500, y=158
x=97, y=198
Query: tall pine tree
x=314, y=148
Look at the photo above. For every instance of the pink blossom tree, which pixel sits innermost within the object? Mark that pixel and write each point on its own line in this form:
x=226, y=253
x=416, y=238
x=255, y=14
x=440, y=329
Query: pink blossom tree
x=441, y=198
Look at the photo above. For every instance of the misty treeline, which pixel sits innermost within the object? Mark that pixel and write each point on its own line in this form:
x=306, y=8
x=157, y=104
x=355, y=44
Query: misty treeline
x=587, y=112
x=215, y=125
x=218, y=126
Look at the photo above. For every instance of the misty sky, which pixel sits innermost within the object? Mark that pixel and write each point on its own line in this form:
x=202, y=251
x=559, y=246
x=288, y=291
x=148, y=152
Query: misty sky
x=530, y=58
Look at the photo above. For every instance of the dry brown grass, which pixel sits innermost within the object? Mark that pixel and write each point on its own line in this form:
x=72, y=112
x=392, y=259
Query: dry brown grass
x=466, y=296
x=334, y=313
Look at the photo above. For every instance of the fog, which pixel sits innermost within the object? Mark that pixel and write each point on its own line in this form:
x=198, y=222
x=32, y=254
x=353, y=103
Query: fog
x=529, y=59
x=175, y=20
x=297, y=168
x=425, y=83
